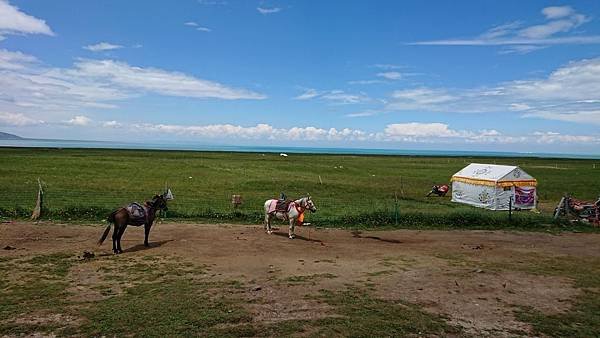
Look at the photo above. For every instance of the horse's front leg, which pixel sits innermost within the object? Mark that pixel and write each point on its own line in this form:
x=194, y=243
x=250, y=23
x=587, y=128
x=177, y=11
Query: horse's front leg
x=147, y=233
x=291, y=233
x=268, y=218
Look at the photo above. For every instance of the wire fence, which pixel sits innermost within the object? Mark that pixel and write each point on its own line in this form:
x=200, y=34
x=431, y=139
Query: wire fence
x=388, y=208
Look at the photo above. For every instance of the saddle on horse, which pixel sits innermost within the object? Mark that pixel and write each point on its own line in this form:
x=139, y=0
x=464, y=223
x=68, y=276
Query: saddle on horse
x=138, y=213
x=283, y=203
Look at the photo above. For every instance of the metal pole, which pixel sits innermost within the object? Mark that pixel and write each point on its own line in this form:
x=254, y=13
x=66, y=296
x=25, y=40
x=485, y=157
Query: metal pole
x=396, y=207
x=510, y=201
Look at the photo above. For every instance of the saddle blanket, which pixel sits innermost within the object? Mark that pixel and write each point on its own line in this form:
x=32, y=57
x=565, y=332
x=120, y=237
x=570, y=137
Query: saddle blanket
x=137, y=213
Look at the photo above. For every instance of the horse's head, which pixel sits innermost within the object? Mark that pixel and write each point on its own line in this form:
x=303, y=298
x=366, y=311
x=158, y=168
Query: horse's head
x=309, y=204
x=159, y=202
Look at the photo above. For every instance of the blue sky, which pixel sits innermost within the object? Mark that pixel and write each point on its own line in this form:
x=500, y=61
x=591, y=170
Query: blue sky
x=469, y=75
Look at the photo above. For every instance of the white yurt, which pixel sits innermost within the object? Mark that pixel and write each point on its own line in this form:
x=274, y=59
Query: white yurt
x=492, y=186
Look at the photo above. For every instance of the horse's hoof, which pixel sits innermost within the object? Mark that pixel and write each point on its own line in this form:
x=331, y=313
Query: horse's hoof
x=146, y=245
x=292, y=236
x=270, y=232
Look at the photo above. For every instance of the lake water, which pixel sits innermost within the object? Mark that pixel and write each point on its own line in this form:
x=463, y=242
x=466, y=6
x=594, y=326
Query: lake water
x=39, y=143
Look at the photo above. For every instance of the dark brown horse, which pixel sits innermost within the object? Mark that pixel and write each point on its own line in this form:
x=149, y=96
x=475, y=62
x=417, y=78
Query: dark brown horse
x=123, y=217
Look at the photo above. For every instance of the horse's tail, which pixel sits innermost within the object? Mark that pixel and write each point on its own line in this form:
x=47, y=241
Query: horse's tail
x=110, y=220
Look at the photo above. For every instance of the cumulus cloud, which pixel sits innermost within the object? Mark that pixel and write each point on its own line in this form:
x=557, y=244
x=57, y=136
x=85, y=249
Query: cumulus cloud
x=408, y=132
x=266, y=11
x=260, y=131
x=517, y=38
x=102, y=46
x=112, y=124
x=79, y=120
x=411, y=132
x=17, y=120
x=13, y=21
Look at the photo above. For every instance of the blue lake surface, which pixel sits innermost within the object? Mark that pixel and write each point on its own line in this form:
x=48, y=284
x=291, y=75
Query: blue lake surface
x=40, y=143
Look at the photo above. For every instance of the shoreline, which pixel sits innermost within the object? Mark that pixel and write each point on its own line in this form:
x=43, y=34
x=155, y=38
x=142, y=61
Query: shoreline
x=112, y=145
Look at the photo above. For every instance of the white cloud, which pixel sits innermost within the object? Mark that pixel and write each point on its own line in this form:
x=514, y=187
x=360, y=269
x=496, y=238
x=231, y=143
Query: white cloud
x=212, y=2
x=308, y=94
x=28, y=86
x=158, y=81
x=414, y=129
x=333, y=96
x=553, y=137
x=390, y=75
x=557, y=12
x=365, y=113
x=411, y=132
x=570, y=93
x=102, y=46
x=518, y=39
x=341, y=97
x=260, y=131
x=79, y=120
x=419, y=99
x=364, y=82
x=17, y=120
x=13, y=21
x=565, y=24
x=15, y=60
x=266, y=11
x=387, y=66
x=112, y=124
x=197, y=26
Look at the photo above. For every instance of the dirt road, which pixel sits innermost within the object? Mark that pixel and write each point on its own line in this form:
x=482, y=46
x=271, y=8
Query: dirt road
x=474, y=278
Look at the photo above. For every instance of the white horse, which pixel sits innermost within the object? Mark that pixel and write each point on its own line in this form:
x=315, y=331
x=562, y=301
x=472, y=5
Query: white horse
x=293, y=211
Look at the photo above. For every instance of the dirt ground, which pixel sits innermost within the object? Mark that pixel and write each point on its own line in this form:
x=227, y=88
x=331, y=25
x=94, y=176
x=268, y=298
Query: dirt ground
x=467, y=276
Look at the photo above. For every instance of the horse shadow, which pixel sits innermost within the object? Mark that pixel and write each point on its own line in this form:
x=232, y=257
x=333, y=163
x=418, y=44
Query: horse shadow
x=142, y=247
x=302, y=238
x=358, y=234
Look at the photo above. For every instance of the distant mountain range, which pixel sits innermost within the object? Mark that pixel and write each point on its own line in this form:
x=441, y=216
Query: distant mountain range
x=7, y=136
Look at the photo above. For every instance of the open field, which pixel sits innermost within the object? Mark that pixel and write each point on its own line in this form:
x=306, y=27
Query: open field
x=355, y=190
x=235, y=280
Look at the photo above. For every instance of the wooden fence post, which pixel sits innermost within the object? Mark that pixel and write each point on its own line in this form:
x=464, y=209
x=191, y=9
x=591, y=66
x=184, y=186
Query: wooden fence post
x=37, y=211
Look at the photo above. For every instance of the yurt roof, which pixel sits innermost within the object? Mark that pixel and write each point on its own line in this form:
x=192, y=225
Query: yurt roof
x=492, y=172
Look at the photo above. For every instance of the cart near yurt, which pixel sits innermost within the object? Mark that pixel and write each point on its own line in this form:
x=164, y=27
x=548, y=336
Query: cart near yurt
x=494, y=187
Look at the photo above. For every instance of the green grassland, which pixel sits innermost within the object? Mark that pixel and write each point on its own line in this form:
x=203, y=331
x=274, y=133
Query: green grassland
x=355, y=190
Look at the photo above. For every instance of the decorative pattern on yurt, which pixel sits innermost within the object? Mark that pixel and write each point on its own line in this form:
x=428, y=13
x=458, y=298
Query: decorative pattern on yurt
x=493, y=186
